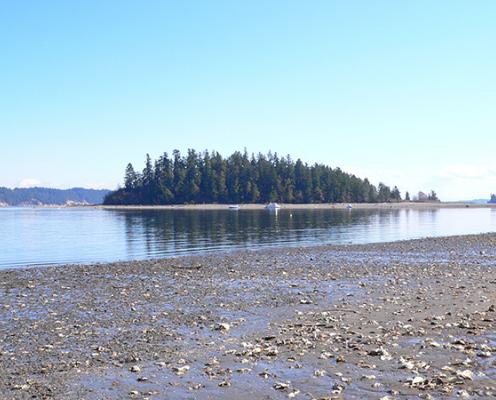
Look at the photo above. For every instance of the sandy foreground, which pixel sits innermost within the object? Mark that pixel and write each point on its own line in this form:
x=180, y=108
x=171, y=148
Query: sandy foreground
x=404, y=320
x=323, y=206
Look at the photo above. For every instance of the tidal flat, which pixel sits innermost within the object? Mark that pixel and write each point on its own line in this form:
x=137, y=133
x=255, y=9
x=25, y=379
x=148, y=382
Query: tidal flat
x=402, y=320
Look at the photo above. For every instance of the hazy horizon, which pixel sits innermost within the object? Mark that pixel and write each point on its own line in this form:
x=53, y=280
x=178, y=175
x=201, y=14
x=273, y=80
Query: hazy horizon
x=393, y=92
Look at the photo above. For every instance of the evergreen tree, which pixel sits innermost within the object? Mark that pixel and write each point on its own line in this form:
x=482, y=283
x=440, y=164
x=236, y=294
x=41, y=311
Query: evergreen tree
x=395, y=194
x=433, y=196
x=131, y=178
x=148, y=172
x=317, y=194
x=192, y=177
x=179, y=177
x=384, y=193
x=373, y=194
x=219, y=189
x=147, y=188
x=233, y=174
x=165, y=180
x=208, y=178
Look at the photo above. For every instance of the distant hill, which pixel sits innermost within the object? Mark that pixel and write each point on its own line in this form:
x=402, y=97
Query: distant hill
x=47, y=196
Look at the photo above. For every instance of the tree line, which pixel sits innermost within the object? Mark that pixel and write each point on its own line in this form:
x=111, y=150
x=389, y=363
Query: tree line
x=49, y=196
x=207, y=177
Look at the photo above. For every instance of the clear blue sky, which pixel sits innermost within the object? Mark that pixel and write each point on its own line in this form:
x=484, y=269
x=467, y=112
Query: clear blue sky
x=403, y=92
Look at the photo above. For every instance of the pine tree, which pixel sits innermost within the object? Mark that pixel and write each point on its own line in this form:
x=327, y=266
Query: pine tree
x=201, y=177
x=395, y=194
x=192, y=178
x=384, y=194
x=165, y=180
x=206, y=179
x=148, y=172
x=131, y=178
x=433, y=196
x=219, y=168
x=179, y=176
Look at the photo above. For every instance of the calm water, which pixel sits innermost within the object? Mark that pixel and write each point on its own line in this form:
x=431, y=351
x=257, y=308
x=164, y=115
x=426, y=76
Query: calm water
x=30, y=236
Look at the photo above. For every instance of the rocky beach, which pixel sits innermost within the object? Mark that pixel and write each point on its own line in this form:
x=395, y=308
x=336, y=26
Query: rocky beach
x=403, y=320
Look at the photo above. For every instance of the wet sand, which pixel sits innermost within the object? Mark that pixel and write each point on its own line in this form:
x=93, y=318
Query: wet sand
x=404, y=320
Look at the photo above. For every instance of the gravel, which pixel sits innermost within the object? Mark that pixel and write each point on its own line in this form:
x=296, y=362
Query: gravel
x=381, y=321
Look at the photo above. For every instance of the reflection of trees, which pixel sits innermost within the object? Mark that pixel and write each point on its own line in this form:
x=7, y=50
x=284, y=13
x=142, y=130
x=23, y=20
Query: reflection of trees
x=159, y=232
x=428, y=216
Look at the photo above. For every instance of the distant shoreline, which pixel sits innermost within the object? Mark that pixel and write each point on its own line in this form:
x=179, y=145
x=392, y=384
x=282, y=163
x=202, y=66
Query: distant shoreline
x=322, y=206
x=307, y=206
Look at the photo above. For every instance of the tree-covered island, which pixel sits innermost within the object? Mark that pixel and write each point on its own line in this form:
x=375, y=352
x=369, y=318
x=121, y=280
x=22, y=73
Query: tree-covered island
x=204, y=177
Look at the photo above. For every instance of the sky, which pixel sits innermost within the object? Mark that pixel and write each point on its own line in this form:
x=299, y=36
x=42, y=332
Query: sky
x=399, y=92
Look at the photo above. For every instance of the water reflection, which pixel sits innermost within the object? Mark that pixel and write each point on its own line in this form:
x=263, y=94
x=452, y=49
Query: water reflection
x=167, y=232
x=44, y=236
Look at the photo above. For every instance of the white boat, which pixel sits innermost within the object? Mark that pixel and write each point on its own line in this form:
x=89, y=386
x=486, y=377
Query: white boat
x=234, y=207
x=349, y=206
x=272, y=206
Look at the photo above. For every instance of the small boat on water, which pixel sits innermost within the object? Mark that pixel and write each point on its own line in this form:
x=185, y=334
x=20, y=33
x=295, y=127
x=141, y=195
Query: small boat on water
x=349, y=206
x=233, y=207
x=272, y=206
